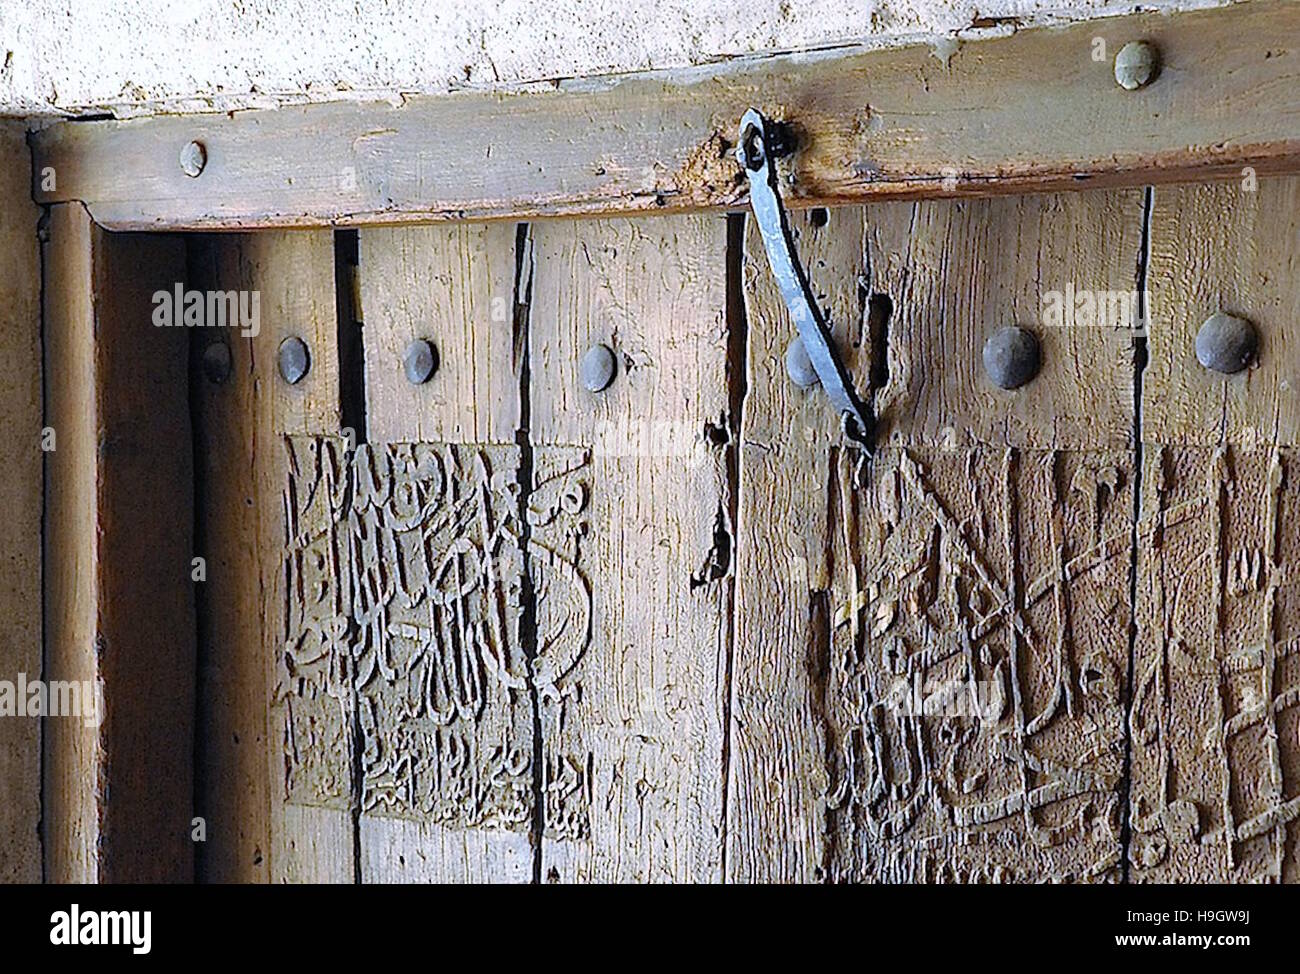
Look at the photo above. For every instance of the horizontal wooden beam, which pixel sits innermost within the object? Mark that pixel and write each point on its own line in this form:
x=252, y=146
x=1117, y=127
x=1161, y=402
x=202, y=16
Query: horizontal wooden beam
x=1037, y=110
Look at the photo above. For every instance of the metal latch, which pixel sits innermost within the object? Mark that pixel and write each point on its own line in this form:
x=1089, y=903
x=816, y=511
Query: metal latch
x=759, y=145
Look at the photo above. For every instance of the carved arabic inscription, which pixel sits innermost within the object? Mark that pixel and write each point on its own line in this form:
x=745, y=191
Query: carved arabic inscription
x=406, y=573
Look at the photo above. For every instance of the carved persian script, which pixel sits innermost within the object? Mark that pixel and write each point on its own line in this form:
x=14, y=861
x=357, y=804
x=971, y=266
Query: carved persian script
x=1216, y=703
x=979, y=639
x=407, y=569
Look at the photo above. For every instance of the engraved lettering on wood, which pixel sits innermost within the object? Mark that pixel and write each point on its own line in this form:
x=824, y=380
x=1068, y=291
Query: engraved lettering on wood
x=978, y=651
x=313, y=692
x=405, y=574
x=438, y=589
x=559, y=521
x=1216, y=711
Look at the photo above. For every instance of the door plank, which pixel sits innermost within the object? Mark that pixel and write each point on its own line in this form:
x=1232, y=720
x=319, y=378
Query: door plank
x=632, y=546
x=20, y=486
x=778, y=778
x=119, y=610
x=1216, y=710
x=945, y=556
x=448, y=791
x=277, y=716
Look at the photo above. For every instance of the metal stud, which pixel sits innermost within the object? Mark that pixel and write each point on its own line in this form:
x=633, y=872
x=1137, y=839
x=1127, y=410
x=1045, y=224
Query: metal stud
x=1012, y=357
x=798, y=366
x=1226, y=343
x=1136, y=65
x=597, y=368
x=216, y=362
x=193, y=158
x=420, y=361
x=295, y=360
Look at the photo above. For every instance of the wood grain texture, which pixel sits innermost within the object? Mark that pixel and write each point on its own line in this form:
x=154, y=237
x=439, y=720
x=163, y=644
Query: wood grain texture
x=1030, y=112
x=634, y=726
x=1227, y=248
x=439, y=803
x=453, y=287
x=944, y=701
x=778, y=784
x=20, y=486
x=118, y=598
x=956, y=272
x=276, y=755
x=1216, y=711
x=73, y=753
x=977, y=665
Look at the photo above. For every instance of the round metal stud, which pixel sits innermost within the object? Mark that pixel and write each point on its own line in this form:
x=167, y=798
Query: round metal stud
x=597, y=368
x=295, y=360
x=1012, y=357
x=419, y=361
x=216, y=362
x=193, y=158
x=1136, y=65
x=798, y=366
x=1226, y=343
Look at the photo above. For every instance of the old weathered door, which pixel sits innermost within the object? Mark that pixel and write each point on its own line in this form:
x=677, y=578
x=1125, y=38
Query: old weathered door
x=475, y=627
x=470, y=616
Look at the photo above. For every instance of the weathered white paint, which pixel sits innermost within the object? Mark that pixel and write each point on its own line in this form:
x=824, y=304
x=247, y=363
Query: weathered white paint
x=133, y=56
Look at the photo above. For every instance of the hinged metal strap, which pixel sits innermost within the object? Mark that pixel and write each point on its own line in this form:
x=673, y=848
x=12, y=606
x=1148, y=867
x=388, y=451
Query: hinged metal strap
x=757, y=151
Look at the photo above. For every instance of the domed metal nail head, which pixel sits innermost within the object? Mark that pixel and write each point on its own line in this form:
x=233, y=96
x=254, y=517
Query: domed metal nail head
x=216, y=362
x=295, y=360
x=1136, y=65
x=1226, y=343
x=193, y=158
x=597, y=368
x=798, y=366
x=1012, y=357
x=419, y=361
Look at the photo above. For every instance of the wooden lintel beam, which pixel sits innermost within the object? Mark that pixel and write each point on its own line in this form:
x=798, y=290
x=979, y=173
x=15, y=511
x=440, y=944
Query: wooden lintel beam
x=1035, y=111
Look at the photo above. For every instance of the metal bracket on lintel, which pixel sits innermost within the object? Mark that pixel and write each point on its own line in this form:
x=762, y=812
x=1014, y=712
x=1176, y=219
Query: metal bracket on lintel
x=760, y=144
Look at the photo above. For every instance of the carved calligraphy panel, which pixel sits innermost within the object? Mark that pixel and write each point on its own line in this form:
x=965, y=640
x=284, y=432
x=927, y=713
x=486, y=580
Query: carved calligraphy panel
x=408, y=569
x=978, y=654
x=1216, y=709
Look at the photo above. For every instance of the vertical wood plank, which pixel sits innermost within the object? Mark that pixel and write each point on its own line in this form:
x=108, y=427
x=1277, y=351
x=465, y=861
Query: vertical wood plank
x=778, y=788
x=1063, y=266
x=73, y=752
x=633, y=718
x=1216, y=710
x=1223, y=248
x=276, y=703
x=955, y=628
x=982, y=595
x=119, y=602
x=448, y=791
x=20, y=486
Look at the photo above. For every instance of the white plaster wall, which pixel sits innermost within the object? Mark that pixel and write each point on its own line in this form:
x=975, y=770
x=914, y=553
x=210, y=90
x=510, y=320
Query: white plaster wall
x=132, y=56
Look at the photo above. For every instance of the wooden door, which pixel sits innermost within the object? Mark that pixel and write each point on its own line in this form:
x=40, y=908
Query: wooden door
x=496, y=626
